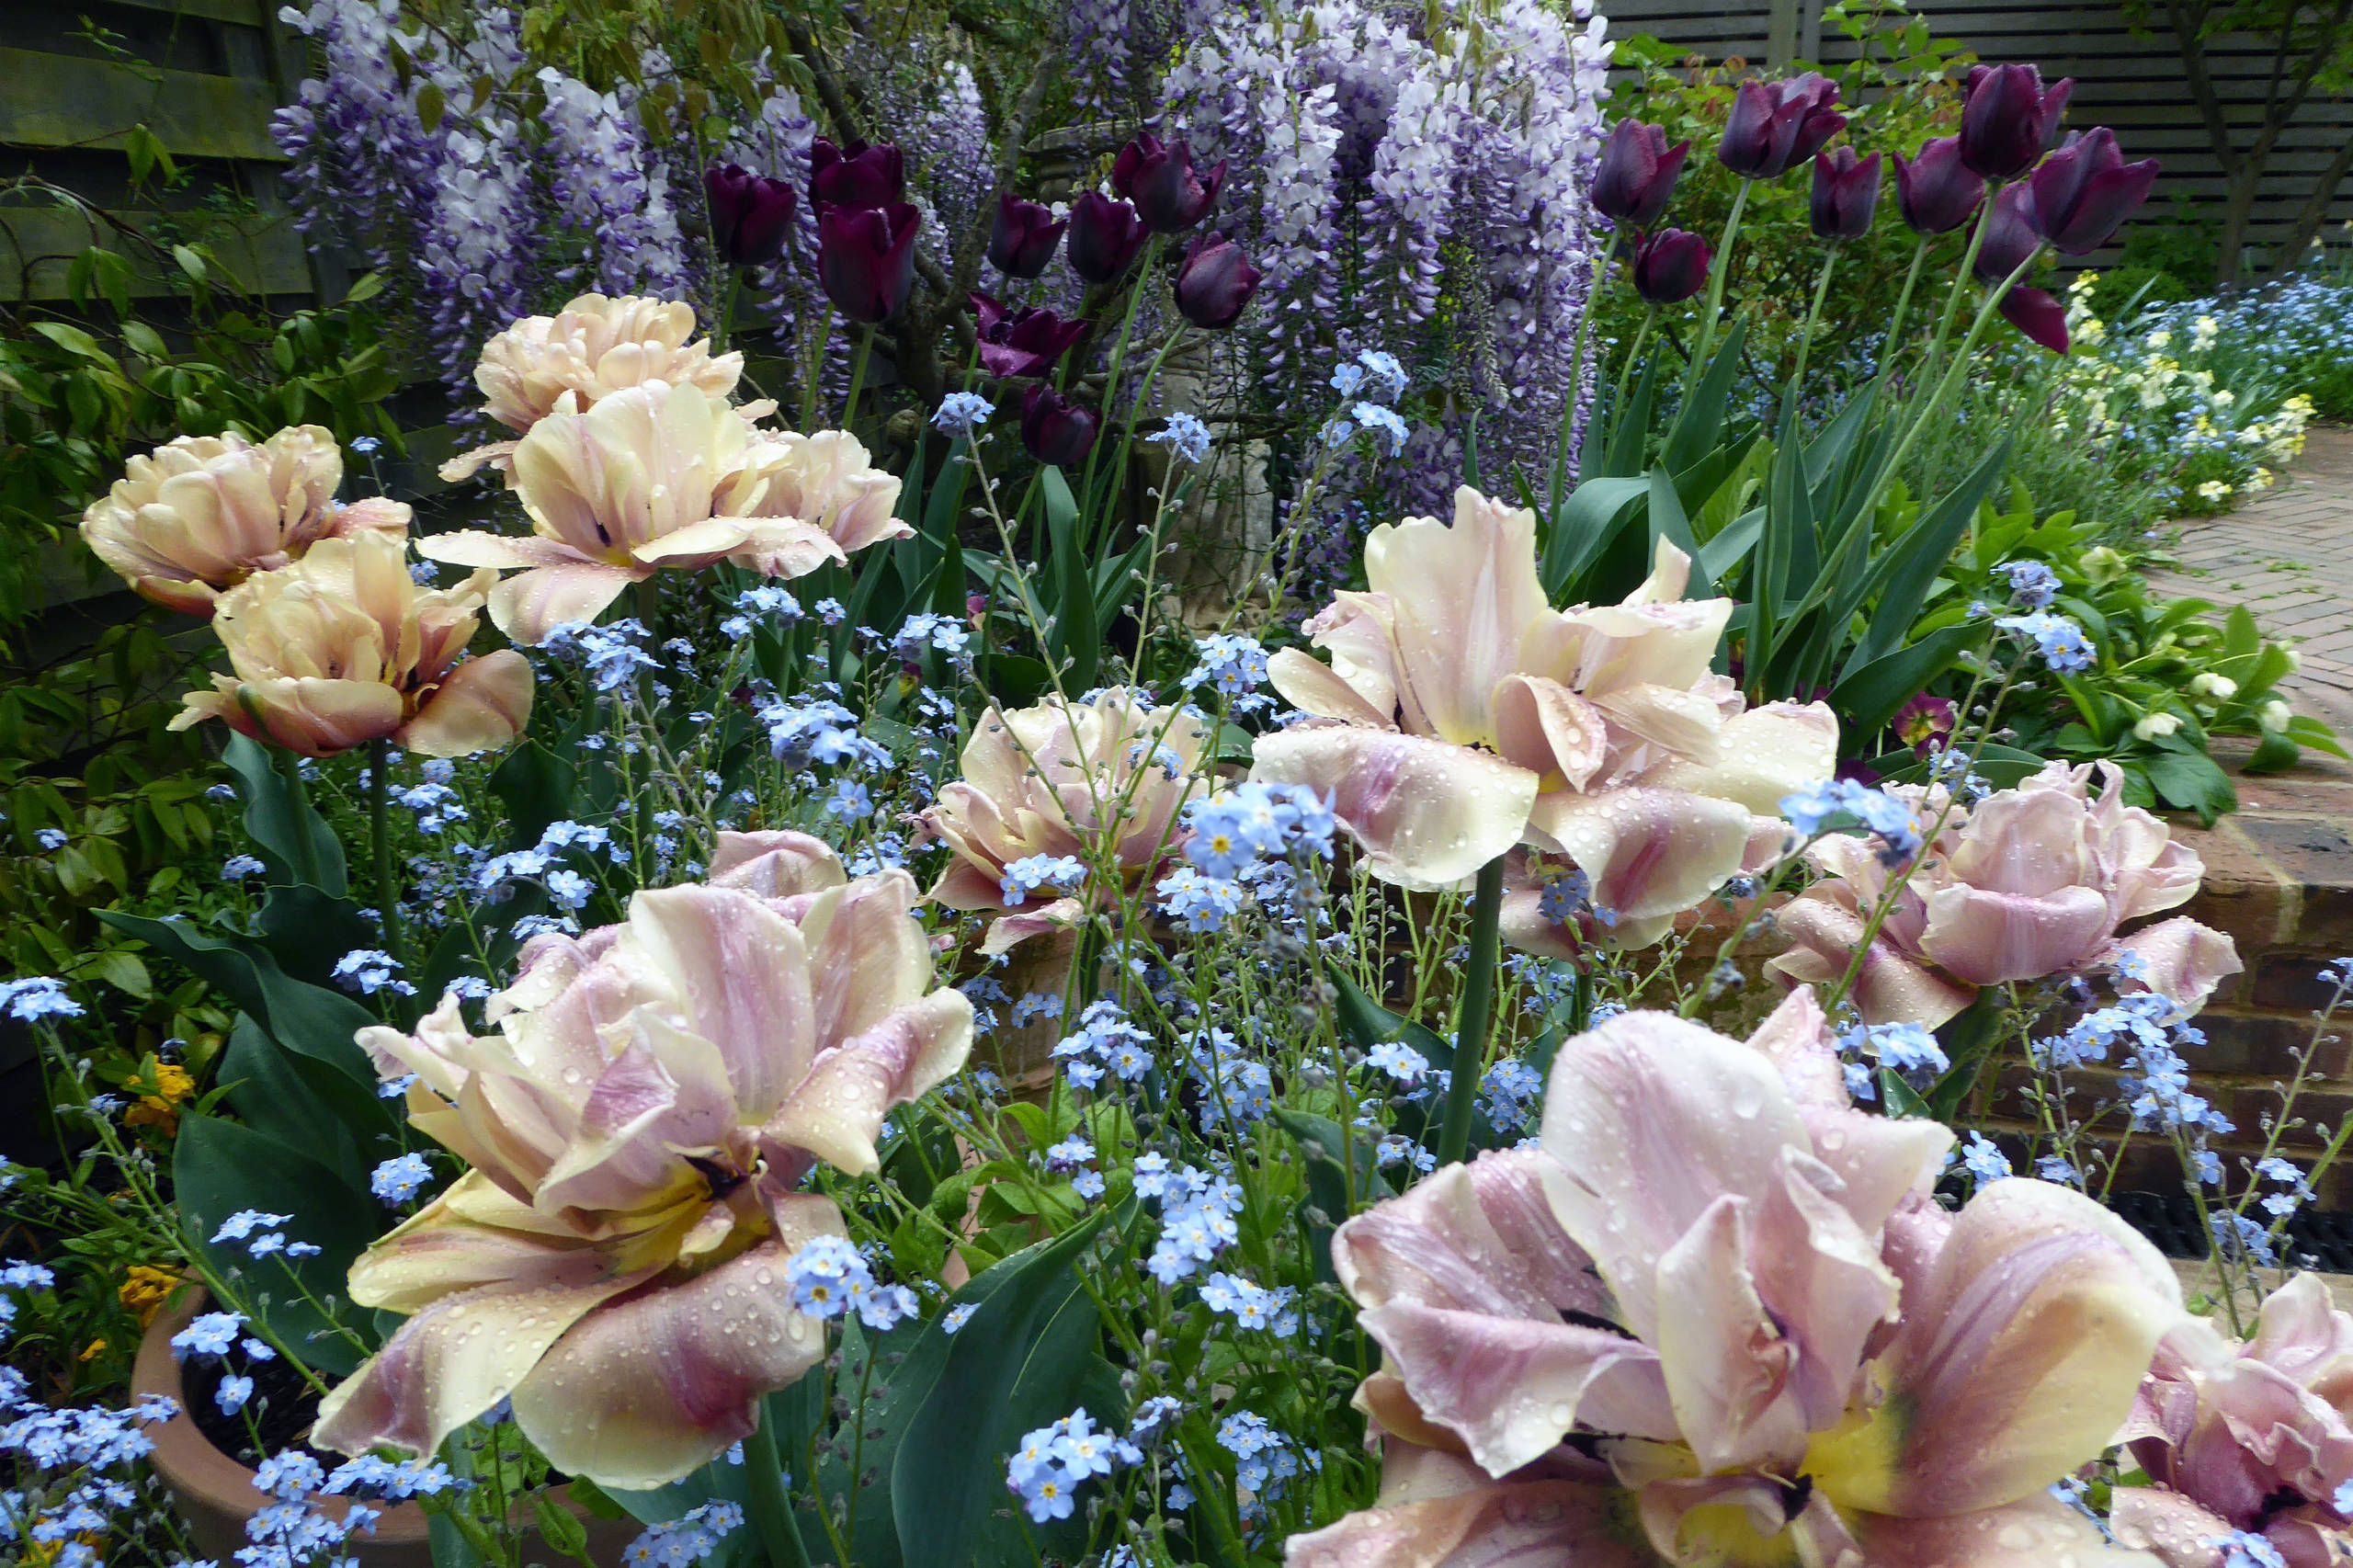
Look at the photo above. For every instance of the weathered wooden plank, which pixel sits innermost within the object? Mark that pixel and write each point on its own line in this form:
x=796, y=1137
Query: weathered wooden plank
x=37, y=245
x=243, y=13
x=57, y=100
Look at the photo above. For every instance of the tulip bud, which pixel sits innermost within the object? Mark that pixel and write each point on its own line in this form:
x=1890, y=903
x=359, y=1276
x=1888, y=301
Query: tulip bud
x=1845, y=194
x=1022, y=343
x=1161, y=182
x=750, y=215
x=1936, y=192
x=1023, y=238
x=866, y=258
x=1637, y=173
x=1104, y=237
x=1215, y=282
x=2084, y=191
x=1054, y=429
x=2009, y=119
x=856, y=175
x=1775, y=124
x=1671, y=266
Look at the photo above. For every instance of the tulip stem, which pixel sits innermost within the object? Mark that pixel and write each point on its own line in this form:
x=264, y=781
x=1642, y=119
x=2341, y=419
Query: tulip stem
x=1960, y=283
x=1902, y=306
x=771, y=1506
x=1812, y=318
x=1716, y=271
x=388, y=892
x=1626, y=371
x=858, y=378
x=1471, y=1024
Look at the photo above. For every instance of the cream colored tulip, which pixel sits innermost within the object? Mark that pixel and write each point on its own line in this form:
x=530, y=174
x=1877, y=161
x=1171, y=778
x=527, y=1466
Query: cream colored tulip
x=826, y=480
x=343, y=647
x=620, y=490
x=641, y=1123
x=592, y=348
x=1100, y=781
x=203, y=512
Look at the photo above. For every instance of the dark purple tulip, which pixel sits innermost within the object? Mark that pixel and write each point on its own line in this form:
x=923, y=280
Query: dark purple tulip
x=1775, y=124
x=2084, y=191
x=856, y=175
x=2009, y=119
x=1215, y=282
x=1160, y=180
x=2012, y=234
x=1054, y=429
x=1637, y=173
x=866, y=258
x=749, y=215
x=1023, y=238
x=2034, y=312
x=1671, y=266
x=1104, y=237
x=1022, y=343
x=1845, y=194
x=1936, y=192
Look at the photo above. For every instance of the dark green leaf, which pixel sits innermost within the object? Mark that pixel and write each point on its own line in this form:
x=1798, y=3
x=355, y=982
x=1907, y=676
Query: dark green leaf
x=278, y=825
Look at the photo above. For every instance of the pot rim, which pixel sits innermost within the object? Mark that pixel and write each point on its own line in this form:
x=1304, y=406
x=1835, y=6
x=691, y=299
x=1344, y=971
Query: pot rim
x=187, y=1459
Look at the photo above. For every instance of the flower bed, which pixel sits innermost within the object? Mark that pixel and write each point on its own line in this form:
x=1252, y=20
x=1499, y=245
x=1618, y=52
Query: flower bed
x=790, y=1010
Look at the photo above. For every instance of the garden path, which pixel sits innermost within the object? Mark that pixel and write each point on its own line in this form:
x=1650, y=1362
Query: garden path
x=2289, y=558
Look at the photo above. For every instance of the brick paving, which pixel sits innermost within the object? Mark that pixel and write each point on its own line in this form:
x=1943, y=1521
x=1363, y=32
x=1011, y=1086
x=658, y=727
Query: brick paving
x=2289, y=558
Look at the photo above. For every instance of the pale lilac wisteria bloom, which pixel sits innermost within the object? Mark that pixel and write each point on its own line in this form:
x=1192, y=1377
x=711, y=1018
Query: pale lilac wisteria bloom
x=2031, y=882
x=2255, y=1437
x=1717, y=1317
x=1462, y=716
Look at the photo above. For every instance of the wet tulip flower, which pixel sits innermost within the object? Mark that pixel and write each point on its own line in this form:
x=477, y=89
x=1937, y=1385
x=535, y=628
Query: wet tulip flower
x=1775, y=124
x=1159, y=178
x=750, y=215
x=866, y=258
x=1023, y=238
x=1671, y=266
x=1215, y=282
x=1637, y=173
x=1845, y=194
x=2009, y=117
x=856, y=175
x=1936, y=192
x=2084, y=191
x=1054, y=429
x=1104, y=237
x=1022, y=343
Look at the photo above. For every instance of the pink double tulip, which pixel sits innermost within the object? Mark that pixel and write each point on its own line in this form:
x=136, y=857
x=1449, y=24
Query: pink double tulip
x=639, y=1125
x=1718, y=1318
x=201, y=514
x=343, y=647
x=2031, y=882
x=2256, y=1436
x=1461, y=715
x=1102, y=783
x=650, y=478
x=592, y=348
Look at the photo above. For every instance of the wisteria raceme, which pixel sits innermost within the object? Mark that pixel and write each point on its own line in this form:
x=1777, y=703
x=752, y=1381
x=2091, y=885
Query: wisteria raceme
x=601, y=172
x=933, y=108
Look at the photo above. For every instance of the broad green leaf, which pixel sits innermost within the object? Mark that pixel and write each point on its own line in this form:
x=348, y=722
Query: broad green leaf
x=317, y=1022
x=280, y=826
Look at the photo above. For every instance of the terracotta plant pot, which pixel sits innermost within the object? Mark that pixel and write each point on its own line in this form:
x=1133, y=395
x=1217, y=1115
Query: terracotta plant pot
x=215, y=1494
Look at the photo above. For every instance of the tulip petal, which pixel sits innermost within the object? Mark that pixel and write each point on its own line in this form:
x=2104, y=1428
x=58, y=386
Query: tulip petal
x=478, y=547
x=2180, y=1532
x=745, y=986
x=2180, y=958
x=1549, y=729
x=866, y=957
x=1436, y=1509
x=530, y=604
x=1310, y=684
x=837, y=1111
x=472, y=1236
x=480, y=706
x=2018, y=1362
x=786, y=547
x=465, y=465
x=1654, y=1118
x=1647, y=852
x=774, y=863
x=1889, y=988
x=694, y=544
x=1007, y=932
x=652, y=1386
x=1462, y=597
x=1761, y=755
x=2036, y=1532
x=1428, y=813
x=1982, y=938
x=1728, y=1365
